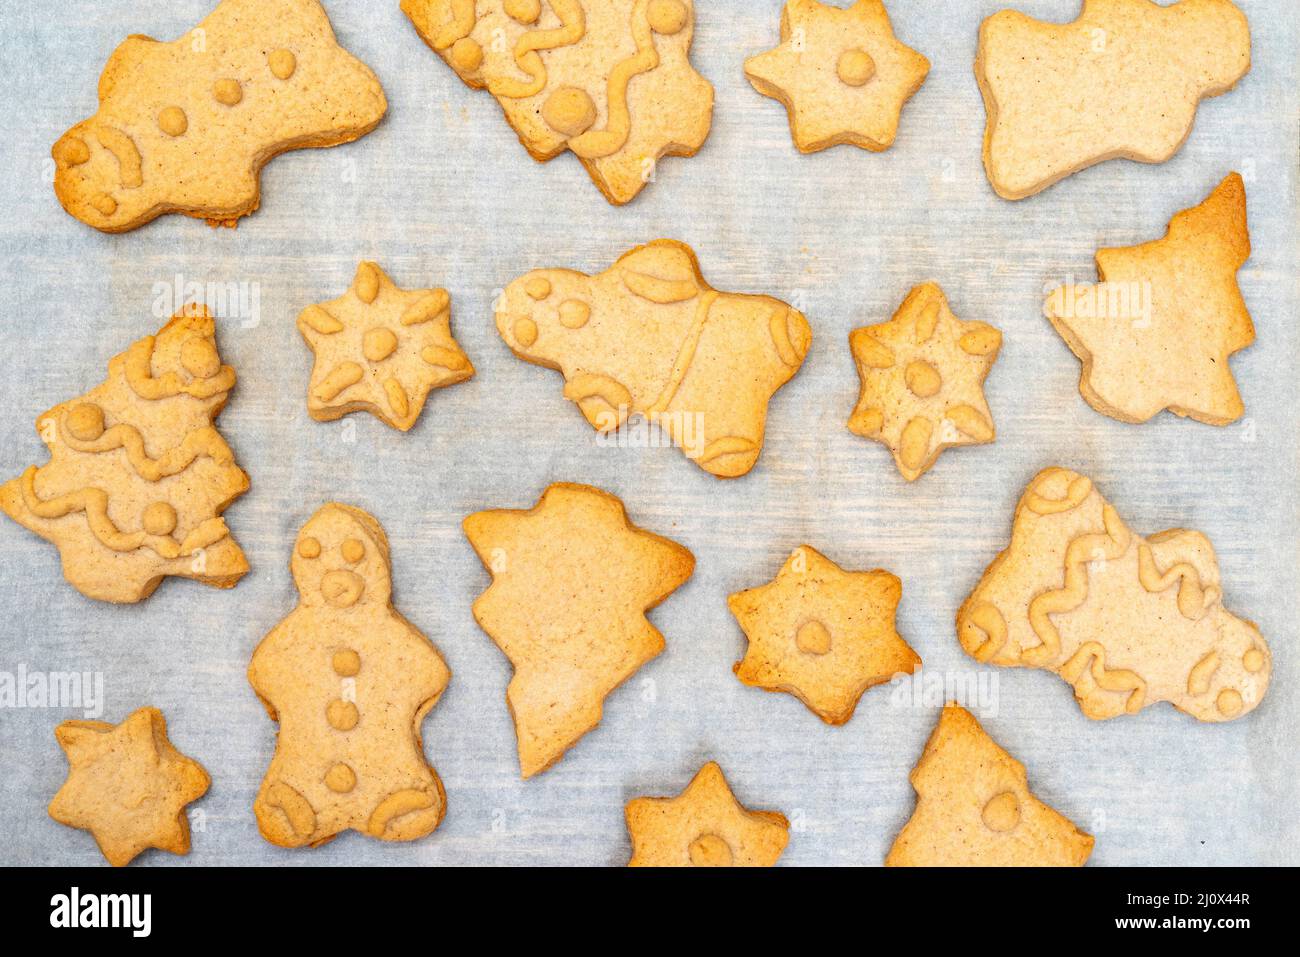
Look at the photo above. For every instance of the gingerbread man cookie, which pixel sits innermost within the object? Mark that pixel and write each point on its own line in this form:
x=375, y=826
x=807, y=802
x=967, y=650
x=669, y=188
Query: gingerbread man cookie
x=974, y=808
x=1158, y=330
x=127, y=786
x=186, y=126
x=572, y=579
x=138, y=475
x=380, y=349
x=611, y=81
x=923, y=376
x=1122, y=81
x=822, y=634
x=650, y=337
x=1127, y=621
x=841, y=74
x=704, y=826
x=350, y=681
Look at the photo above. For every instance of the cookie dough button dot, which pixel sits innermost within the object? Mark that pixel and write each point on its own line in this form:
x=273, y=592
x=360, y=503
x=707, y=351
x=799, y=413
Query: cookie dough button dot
x=539, y=287
x=569, y=111
x=353, y=551
x=342, y=715
x=200, y=359
x=466, y=55
x=282, y=63
x=574, y=314
x=85, y=422
x=666, y=16
x=378, y=344
x=1229, y=702
x=173, y=121
x=309, y=547
x=340, y=779
x=1253, y=660
x=709, y=850
x=525, y=332
x=813, y=638
x=346, y=663
x=525, y=11
x=855, y=67
x=1002, y=813
x=159, y=519
x=106, y=204
x=922, y=379
x=227, y=92
x=341, y=588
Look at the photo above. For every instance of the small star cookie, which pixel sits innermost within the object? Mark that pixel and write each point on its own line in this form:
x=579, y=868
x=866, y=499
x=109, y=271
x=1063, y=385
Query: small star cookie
x=572, y=579
x=1157, y=332
x=822, y=634
x=381, y=349
x=974, y=808
x=127, y=785
x=923, y=376
x=841, y=74
x=704, y=826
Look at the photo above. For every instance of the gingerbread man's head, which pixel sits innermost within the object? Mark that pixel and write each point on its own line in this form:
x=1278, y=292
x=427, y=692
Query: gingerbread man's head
x=341, y=560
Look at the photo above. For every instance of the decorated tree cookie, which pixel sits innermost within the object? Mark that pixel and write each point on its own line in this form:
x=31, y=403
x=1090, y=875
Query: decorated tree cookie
x=138, y=474
x=350, y=681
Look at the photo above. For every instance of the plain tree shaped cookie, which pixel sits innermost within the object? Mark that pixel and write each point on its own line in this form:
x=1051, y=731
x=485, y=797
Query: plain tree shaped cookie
x=127, y=785
x=974, y=808
x=1157, y=332
x=704, y=826
x=572, y=580
x=186, y=126
x=138, y=474
x=609, y=80
x=650, y=337
x=1122, y=81
x=1126, y=621
x=350, y=681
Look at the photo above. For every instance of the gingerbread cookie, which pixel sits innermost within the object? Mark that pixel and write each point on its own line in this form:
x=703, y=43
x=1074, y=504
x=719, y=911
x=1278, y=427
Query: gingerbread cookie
x=350, y=681
x=841, y=74
x=1157, y=332
x=138, y=475
x=1127, y=621
x=572, y=579
x=974, y=808
x=704, y=826
x=650, y=337
x=380, y=349
x=1122, y=81
x=922, y=376
x=611, y=81
x=127, y=786
x=186, y=126
x=822, y=634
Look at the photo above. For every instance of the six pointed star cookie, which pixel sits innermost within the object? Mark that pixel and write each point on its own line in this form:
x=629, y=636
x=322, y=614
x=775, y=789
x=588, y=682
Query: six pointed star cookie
x=822, y=634
x=923, y=376
x=571, y=581
x=841, y=74
x=381, y=349
x=127, y=785
x=704, y=826
x=1157, y=332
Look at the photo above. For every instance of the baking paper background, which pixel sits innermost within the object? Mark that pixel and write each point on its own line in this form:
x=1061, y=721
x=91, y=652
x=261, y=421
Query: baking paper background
x=443, y=194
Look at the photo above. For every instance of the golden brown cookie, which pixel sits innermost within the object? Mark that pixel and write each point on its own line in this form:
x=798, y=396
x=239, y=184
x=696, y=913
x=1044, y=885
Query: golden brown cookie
x=1127, y=621
x=1157, y=332
x=127, y=785
x=1122, y=81
x=704, y=826
x=649, y=337
x=974, y=808
x=840, y=73
x=610, y=80
x=572, y=579
x=138, y=475
x=380, y=349
x=922, y=375
x=350, y=681
x=186, y=126
x=822, y=634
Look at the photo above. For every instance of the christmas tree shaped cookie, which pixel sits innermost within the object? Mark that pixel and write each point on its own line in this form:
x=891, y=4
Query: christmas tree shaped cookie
x=974, y=808
x=609, y=80
x=138, y=475
x=350, y=681
x=1127, y=621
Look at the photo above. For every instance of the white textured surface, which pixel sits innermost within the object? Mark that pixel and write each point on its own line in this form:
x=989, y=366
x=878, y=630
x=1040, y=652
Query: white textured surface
x=443, y=194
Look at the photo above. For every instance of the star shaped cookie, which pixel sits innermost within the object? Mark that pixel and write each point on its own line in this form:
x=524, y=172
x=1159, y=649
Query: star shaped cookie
x=923, y=376
x=381, y=349
x=127, y=785
x=1157, y=332
x=841, y=74
x=822, y=634
x=704, y=826
x=572, y=580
